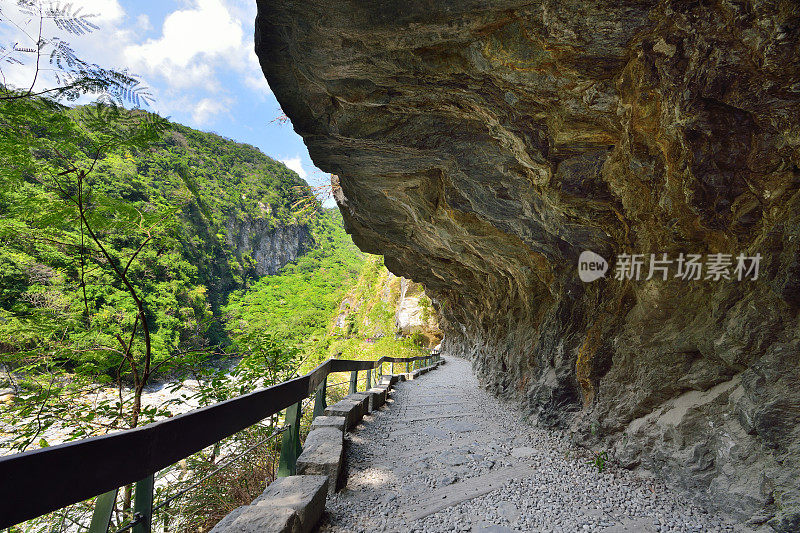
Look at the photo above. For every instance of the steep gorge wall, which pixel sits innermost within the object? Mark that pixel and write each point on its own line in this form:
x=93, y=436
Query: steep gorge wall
x=482, y=146
x=271, y=248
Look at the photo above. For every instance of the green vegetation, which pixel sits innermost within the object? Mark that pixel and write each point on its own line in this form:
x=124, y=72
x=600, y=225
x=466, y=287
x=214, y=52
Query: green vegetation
x=180, y=193
x=122, y=237
x=365, y=327
x=115, y=260
x=297, y=304
x=113, y=219
x=599, y=461
x=332, y=283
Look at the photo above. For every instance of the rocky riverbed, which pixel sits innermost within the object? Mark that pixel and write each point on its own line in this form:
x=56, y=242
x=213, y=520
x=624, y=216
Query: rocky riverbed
x=179, y=396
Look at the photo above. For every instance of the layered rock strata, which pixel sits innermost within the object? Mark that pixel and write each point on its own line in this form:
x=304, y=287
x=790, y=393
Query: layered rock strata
x=481, y=146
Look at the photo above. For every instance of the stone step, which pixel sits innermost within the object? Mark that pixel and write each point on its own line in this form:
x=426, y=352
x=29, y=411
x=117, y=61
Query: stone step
x=329, y=421
x=449, y=495
x=291, y=504
x=322, y=455
x=406, y=420
x=436, y=404
x=377, y=397
x=351, y=410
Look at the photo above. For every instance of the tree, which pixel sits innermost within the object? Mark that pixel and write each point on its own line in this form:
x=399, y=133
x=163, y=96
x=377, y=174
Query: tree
x=60, y=371
x=61, y=155
x=73, y=76
x=97, y=318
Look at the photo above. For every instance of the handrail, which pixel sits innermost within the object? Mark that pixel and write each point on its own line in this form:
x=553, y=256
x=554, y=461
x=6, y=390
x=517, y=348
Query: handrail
x=40, y=481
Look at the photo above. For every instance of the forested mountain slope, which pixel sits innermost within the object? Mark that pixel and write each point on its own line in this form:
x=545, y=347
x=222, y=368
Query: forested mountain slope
x=207, y=215
x=335, y=301
x=200, y=219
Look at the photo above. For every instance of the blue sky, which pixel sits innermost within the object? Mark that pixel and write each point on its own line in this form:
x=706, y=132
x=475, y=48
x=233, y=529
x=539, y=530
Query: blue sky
x=197, y=58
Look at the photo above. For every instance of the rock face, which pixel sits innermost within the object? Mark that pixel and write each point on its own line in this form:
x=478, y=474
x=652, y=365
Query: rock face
x=382, y=304
x=415, y=313
x=482, y=146
x=270, y=248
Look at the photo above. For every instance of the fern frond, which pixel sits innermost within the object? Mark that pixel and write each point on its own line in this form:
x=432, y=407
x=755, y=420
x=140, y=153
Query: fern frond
x=27, y=49
x=62, y=55
x=69, y=20
x=30, y=7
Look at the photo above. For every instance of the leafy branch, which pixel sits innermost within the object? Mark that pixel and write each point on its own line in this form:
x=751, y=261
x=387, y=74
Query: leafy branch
x=74, y=76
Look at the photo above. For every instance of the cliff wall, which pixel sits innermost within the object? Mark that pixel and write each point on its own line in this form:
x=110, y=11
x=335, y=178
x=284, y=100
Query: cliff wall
x=382, y=304
x=483, y=146
x=270, y=248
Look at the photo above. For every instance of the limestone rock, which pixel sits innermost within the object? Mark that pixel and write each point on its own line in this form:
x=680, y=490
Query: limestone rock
x=322, y=455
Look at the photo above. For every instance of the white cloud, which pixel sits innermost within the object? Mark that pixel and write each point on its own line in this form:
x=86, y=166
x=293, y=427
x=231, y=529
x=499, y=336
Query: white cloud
x=199, y=58
x=296, y=164
x=23, y=28
x=192, y=41
x=206, y=109
x=143, y=22
x=106, y=10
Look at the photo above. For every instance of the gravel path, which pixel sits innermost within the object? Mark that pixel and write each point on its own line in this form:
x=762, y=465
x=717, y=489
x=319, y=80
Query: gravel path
x=442, y=439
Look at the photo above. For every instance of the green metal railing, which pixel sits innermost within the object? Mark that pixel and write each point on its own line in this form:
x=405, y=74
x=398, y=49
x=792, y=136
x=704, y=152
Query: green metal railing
x=49, y=479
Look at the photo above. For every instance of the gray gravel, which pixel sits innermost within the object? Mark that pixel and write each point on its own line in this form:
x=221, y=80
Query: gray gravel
x=394, y=463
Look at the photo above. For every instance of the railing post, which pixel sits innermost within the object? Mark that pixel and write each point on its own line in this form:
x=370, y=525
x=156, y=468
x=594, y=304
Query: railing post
x=407, y=367
x=103, y=507
x=353, y=381
x=392, y=363
x=290, y=445
x=320, y=402
x=369, y=379
x=143, y=505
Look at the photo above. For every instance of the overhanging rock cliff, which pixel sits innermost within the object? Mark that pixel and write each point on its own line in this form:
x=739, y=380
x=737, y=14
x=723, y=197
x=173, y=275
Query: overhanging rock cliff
x=482, y=146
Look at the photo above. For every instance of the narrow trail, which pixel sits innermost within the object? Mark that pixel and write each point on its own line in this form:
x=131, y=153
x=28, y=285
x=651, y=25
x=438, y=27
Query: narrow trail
x=444, y=455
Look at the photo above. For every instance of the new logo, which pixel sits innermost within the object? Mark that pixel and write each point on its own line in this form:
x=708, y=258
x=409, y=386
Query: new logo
x=591, y=266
